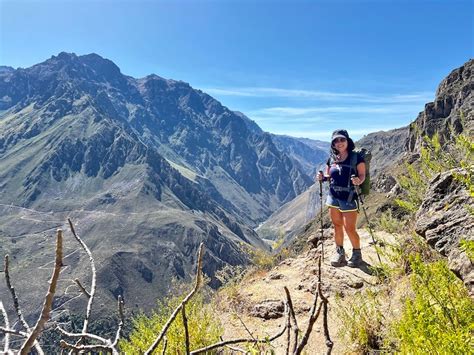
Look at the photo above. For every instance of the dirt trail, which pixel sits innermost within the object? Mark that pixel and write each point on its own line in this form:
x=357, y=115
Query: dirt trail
x=299, y=275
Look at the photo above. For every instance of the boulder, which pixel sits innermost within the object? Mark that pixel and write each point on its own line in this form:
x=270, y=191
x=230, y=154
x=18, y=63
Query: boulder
x=384, y=183
x=268, y=309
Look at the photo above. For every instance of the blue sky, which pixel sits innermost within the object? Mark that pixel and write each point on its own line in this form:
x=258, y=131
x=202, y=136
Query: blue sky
x=302, y=68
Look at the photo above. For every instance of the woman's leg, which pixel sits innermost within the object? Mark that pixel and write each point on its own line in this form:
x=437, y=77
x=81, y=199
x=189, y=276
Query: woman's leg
x=338, y=222
x=339, y=257
x=349, y=222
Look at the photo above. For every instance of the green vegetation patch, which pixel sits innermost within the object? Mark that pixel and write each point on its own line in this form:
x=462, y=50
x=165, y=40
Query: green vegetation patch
x=439, y=317
x=204, y=327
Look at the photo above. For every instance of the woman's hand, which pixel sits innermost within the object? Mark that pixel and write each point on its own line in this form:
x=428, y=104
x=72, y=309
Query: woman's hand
x=356, y=181
x=320, y=176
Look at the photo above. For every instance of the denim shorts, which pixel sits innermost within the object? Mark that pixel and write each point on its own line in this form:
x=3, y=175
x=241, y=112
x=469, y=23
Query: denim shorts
x=342, y=205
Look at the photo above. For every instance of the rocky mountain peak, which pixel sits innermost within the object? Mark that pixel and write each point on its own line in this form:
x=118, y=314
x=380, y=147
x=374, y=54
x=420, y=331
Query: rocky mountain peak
x=452, y=104
x=90, y=68
x=6, y=69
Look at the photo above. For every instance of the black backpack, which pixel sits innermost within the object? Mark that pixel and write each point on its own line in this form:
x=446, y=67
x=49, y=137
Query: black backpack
x=367, y=155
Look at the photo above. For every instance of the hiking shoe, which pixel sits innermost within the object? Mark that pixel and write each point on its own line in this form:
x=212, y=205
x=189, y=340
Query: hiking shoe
x=356, y=259
x=339, y=258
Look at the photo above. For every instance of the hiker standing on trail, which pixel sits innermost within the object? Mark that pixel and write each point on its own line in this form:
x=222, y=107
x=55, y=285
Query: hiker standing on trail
x=342, y=198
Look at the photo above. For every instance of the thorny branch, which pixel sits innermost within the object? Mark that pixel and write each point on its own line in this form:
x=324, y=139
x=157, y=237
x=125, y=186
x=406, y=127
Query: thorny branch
x=107, y=345
x=237, y=341
x=82, y=288
x=7, y=326
x=122, y=321
x=233, y=348
x=244, y=325
x=294, y=324
x=186, y=330
x=325, y=301
x=288, y=329
x=16, y=305
x=48, y=301
x=89, y=348
x=165, y=345
x=314, y=314
x=13, y=331
x=83, y=335
x=315, y=311
x=14, y=296
x=94, y=276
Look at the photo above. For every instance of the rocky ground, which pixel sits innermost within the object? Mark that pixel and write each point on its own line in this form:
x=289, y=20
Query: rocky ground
x=258, y=300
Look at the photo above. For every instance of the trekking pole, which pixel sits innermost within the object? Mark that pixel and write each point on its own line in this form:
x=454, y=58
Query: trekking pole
x=321, y=214
x=357, y=188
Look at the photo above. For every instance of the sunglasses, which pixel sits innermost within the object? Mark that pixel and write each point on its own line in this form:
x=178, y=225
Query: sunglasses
x=339, y=140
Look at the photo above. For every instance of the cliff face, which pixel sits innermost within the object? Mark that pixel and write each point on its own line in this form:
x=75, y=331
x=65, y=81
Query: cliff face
x=445, y=215
x=445, y=219
x=453, y=103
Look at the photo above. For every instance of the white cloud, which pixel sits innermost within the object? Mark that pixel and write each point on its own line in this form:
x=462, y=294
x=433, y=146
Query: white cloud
x=287, y=119
x=299, y=111
x=326, y=134
x=319, y=95
x=315, y=114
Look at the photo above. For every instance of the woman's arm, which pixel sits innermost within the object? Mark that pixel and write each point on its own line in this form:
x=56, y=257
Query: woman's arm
x=326, y=172
x=359, y=179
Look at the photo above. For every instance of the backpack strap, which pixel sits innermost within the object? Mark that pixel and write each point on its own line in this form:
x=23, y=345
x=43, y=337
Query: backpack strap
x=354, y=162
x=354, y=167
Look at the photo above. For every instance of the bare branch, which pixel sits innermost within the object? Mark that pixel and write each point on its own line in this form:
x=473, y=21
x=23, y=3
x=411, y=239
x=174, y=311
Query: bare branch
x=122, y=321
x=314, y=313
x=325, y=302
x=288, y=329
x=165, y=345
x=14, y=296
x=7, y=326
x=312, y=319
x=89, y=348
x=16, y=306
x=329, y=342
x=293, y=319
x=199, y=266
x=186, y=329
x=237, y=341
x=85, y=335
x=48, y=302
x=82, y=288
x=182, y=304
x=13, y=331
x=94, y=274
x=107, y=344
x=233, y=348
x=244, y=325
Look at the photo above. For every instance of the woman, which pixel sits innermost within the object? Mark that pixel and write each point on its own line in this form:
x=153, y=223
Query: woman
x=342, y=199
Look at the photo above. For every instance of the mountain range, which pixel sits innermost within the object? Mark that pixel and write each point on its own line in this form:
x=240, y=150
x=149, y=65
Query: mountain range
x=149, y=168
x=146, y=168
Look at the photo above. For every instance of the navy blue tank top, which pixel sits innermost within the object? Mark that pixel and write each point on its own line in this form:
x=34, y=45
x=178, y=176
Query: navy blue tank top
x=340, y=176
